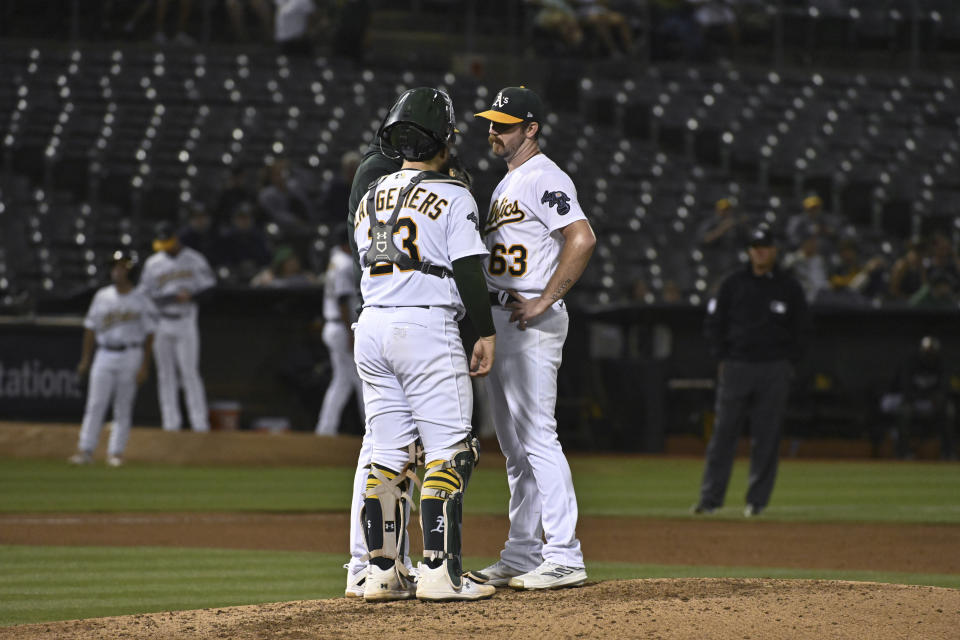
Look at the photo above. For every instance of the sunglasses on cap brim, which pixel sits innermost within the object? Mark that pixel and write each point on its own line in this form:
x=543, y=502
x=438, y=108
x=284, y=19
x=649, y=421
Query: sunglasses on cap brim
x=503, y=127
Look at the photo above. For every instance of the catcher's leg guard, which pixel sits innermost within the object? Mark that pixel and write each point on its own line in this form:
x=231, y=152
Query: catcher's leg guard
x=441, y=509
x=384, y=515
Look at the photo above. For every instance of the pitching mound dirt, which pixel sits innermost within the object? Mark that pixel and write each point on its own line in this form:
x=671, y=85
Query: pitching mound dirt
x=692, y=608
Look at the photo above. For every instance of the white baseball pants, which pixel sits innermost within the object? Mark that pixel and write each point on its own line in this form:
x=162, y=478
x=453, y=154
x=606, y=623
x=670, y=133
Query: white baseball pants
x=345, y=379
x=415, y=381
x=176, y=349
x=113, y=376
x=522, y=388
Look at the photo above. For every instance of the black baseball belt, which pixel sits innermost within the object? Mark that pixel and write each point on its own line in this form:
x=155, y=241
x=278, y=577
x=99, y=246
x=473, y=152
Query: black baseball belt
x=121, y=347
x=495, y=298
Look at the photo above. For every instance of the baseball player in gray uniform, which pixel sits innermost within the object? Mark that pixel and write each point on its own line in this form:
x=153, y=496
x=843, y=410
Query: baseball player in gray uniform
x=172, y=277
x=120, y=325
x=417, y=234
x=539, y=242
x=339, y=302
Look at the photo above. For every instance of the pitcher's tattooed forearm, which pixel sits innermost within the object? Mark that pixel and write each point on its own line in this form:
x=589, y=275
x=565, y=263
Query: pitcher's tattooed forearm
x=561, y=289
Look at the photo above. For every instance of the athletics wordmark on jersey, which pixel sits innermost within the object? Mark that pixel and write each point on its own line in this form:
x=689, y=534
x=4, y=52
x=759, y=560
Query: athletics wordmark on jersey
x=184, y=274
x=503, y=212
x=114, y=318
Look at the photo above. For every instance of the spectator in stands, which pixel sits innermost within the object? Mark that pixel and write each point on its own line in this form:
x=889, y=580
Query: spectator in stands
x=640, y=292
x=243, y=246
x=922, y=395
x=722, y=236
x=285, y=201
x=676, y=33
x=809, y=267
x=286, y=271
x=335, y=197
x=238, y=18
x=943, y=261
x=936, y=293
x=671, y=293
x=199, y=233
x=556, y=26
x=609, y=27
x=907, y=275
x=717, y=23
x=812, y=221
x=852, y=281
x=236, y=190
x=350, y=24
x=295, y=25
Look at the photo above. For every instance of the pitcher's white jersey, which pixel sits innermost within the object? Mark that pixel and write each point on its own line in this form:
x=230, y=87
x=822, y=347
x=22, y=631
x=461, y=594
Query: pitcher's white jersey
x=120, y=320
x=337, y=283
x=438, y=224
x=522, y=231
x=164, y=276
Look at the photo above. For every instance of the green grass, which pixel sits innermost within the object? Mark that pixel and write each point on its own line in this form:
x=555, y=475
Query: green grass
x=57, y=583
x=618, y=486
x=62, y=583
x=40, y=584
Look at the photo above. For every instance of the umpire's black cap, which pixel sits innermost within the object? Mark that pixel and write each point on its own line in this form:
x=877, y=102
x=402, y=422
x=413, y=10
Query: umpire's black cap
x=514, y=105
x=762, y=236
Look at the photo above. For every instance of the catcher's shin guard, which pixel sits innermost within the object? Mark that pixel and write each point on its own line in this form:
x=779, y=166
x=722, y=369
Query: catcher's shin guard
x=384, y=515
x=441, y=508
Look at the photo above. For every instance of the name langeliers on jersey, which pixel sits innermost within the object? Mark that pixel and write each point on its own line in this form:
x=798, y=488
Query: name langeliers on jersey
x=432, y=206
x=438, y=222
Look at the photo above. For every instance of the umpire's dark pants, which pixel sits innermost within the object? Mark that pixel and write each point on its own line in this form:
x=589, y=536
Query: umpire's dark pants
x=756, y=392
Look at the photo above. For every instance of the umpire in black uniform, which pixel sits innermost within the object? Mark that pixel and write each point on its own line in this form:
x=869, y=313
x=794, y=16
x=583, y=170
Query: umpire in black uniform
x=755, y=327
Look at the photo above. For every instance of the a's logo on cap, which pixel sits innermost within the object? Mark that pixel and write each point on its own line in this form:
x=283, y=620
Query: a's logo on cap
x=501, y=100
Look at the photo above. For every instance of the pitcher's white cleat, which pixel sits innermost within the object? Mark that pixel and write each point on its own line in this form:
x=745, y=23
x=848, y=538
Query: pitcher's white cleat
x=496, y=575
x=550, y=575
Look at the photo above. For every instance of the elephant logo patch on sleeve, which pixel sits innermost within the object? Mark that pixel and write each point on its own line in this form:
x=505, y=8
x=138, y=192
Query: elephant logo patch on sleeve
x=558, y=199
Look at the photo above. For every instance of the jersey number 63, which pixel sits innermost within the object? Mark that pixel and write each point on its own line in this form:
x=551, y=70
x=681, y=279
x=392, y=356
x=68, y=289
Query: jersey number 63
x=498, y=260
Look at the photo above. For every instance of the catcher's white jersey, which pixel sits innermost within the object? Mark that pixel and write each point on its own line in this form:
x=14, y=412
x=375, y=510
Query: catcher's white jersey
x=438, y=224
x=522, y=231
x=164, y=276
x=338, y=282
x=120, y=320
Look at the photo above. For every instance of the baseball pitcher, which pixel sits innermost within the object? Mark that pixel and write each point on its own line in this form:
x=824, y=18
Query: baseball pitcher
x=539, y=242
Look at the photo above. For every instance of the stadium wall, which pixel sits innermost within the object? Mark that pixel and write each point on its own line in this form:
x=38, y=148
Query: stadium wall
x=632, y=376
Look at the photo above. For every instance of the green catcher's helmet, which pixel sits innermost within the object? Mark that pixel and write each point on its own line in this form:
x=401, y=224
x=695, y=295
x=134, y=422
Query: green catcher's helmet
x=419, y=123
